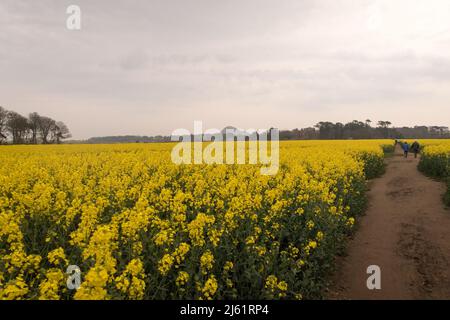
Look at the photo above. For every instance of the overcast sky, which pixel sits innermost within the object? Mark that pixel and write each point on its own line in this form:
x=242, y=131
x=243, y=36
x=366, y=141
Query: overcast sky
x=148, y=67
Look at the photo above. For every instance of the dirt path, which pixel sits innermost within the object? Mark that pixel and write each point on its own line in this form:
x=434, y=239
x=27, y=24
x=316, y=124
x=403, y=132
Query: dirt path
x=406, y=232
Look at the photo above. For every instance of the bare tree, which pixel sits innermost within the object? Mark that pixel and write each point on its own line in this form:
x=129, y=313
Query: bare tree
x=45, y=126
x=17, y=125
x=33, y=122
x=60, y=131
x=3, y=120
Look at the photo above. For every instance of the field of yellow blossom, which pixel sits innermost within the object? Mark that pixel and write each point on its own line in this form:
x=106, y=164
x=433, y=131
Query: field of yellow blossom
x=435, y=161
x=140, y=227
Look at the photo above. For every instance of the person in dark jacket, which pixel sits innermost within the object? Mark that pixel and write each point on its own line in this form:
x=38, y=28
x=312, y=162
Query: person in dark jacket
x=405, y=147
x=415, y=147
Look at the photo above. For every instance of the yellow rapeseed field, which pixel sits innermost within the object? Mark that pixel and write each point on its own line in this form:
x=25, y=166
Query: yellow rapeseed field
x=140, y=227
x=435, y=161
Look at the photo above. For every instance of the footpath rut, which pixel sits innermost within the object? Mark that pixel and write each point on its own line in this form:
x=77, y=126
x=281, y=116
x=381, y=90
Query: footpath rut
x=406, y=232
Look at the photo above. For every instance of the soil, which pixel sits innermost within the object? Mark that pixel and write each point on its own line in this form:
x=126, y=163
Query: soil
x=406, y=232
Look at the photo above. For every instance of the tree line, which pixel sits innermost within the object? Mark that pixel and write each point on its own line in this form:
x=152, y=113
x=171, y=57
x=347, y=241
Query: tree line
x=34, y=129
x=364, y=130
x=323, y=130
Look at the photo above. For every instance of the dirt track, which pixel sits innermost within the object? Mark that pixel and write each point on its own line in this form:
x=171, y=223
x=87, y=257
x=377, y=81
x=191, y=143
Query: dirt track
x=406, y=232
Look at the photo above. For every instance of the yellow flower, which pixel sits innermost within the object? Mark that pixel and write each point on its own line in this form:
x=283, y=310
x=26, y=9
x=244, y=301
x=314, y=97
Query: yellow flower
x=282, y=285
x=49, y=288
x=228, y=266
x=260, y=250
x=164, y=237
x=351, y=221
x=319, y=236
x=131, y=281
x=181, y=251
x=312, y=244
x=206, y=262
x=196, y=228
x=250, y=240
x=210, y=288
x=300, y=263
x=276, y=287
x=15, y=289
x=165, y=264
x=93, y=286
x=57, y=257
x=271, y=282
x=182, y=279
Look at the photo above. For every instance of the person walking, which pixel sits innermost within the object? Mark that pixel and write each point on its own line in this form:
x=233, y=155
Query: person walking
x=415, y=148
x=405, y=147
